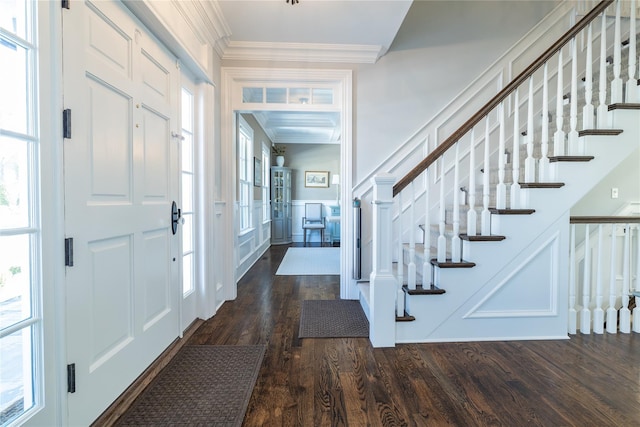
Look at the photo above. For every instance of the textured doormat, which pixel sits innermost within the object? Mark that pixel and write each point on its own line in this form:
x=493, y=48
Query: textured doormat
x=310, y=261
x=204, y=385
x=332, y=319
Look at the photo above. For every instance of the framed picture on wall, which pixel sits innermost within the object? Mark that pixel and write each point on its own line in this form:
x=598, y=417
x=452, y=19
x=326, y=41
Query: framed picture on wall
x=315, y=179
x=257, y=172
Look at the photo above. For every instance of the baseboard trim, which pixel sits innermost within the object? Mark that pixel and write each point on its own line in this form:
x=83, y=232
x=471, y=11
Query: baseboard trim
x=124, y=401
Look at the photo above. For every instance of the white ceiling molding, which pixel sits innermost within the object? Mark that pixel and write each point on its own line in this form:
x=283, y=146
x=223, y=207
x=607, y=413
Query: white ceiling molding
x=211, y=22
x=303, y=52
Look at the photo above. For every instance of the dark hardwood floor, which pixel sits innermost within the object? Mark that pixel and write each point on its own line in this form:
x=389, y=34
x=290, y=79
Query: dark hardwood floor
x=586, y=381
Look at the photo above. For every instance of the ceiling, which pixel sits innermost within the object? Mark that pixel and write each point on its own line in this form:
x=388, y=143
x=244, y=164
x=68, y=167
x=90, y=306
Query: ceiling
x=311, y=30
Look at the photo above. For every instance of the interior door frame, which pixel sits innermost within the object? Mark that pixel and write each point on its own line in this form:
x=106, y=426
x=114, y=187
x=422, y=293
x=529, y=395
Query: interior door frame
x=232, y=80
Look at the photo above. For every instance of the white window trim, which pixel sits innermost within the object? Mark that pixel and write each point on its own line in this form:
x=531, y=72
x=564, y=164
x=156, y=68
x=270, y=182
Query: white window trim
x=244, y=127
x=266, y=185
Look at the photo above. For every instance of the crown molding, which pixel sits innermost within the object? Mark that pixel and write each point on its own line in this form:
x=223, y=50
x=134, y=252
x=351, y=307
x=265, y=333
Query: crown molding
x=302, y=52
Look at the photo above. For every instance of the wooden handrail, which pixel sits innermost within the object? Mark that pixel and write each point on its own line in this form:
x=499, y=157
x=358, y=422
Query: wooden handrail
x=501, y=96
x=604, y=220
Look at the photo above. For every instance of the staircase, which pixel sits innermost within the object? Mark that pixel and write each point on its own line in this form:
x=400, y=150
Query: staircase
x=491, y=203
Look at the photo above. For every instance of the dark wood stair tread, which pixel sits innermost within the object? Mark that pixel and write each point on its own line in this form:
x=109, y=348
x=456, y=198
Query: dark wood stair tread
x=541, y=184
x=480, y=238
x=450, y=264
x=406, y=318
x=554, y=159
x=419, y=290
x=496, y=211
x=600, y=132
x=624, y=106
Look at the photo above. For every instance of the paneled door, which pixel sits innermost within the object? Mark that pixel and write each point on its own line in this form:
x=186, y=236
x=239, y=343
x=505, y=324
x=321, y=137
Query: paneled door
x=121, y=177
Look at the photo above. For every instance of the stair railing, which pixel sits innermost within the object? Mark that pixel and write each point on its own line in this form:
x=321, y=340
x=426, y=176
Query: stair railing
x=527, y=96
x=599, y=283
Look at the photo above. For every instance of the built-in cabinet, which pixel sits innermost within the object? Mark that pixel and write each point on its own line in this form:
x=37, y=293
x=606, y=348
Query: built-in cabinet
x=280, y=205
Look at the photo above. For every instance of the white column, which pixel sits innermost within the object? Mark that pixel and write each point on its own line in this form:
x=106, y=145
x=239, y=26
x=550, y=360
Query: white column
x=573, y=139
x=383, y=285
x=530, y=162
x=616, y=84
x=411, y=267
x=598, y=313
x=632, y=95
x=573, y=314
x=543, y=163
x=585, y=313
x=588, y=111
x=602, y=111
x=400, y=267
x=612, y=313
x=515, y=157
x=426, y=263
x=456, y=244
x=558, y=137
x=501, y=188
x=472, y=216
x=485, y=220
x=625, y=314
x=442, y=241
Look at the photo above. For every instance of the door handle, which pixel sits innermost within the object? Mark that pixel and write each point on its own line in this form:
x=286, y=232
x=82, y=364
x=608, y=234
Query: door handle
x=175, y=217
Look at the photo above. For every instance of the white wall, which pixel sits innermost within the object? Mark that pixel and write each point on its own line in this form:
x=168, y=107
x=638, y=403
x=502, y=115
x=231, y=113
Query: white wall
x=312, y=157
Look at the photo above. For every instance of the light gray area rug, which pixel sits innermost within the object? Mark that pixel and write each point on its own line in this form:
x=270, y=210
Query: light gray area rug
x=310, y=262
x=332, y=319
x=204, y=385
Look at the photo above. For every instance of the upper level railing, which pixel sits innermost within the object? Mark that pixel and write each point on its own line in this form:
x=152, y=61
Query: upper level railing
x=500, y=97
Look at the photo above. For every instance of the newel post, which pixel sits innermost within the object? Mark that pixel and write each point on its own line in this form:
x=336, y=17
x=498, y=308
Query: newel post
x=382, y=326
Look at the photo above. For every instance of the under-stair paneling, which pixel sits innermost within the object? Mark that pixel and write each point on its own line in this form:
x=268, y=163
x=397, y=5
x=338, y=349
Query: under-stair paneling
x=518, y=300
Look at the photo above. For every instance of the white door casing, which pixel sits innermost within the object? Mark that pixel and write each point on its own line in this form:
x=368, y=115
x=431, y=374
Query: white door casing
x=122, y=293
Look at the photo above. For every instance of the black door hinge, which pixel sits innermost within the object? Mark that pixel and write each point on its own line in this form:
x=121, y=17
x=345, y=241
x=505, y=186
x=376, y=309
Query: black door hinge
x=71, y=378
x=66, y=123
x=66, y=4
x=68, y=252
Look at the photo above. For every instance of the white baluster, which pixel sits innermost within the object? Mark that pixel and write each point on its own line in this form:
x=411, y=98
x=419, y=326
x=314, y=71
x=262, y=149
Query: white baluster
x=603, y=112
x=573, y=140
x=442, y=241
x=426, y=263
x=616, y=84
x=598, y=313
x=558, y=137
x=456, y=244
x=588, y=111
x=472, y=217
x=411, y=268
x=612, y=313
x=400, y=272
x=515, y=159
x=585, y=313
x=530, y=162
x=632, y=95
x=501, y=188
x=485, y=219
x=543, y=163
x=636, y=311
x=625, y=314
x=573, y=314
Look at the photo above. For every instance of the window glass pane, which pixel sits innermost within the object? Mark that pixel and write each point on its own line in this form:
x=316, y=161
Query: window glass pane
x=13, y=15
x=299, y=96
x=322, y=96
x=187, y=192
x=187, y=152
x=276, y=95
x=187, y=274
x=187, y=111
x=14, y=183
x=16, y=371
x=252, y=94
x=15, y=279
x=13, y=87
x=187, y=233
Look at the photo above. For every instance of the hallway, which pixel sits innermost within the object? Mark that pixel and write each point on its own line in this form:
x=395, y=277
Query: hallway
x=588, y=380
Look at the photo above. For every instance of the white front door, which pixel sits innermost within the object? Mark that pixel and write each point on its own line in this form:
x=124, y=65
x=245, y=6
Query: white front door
x=121, y=177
